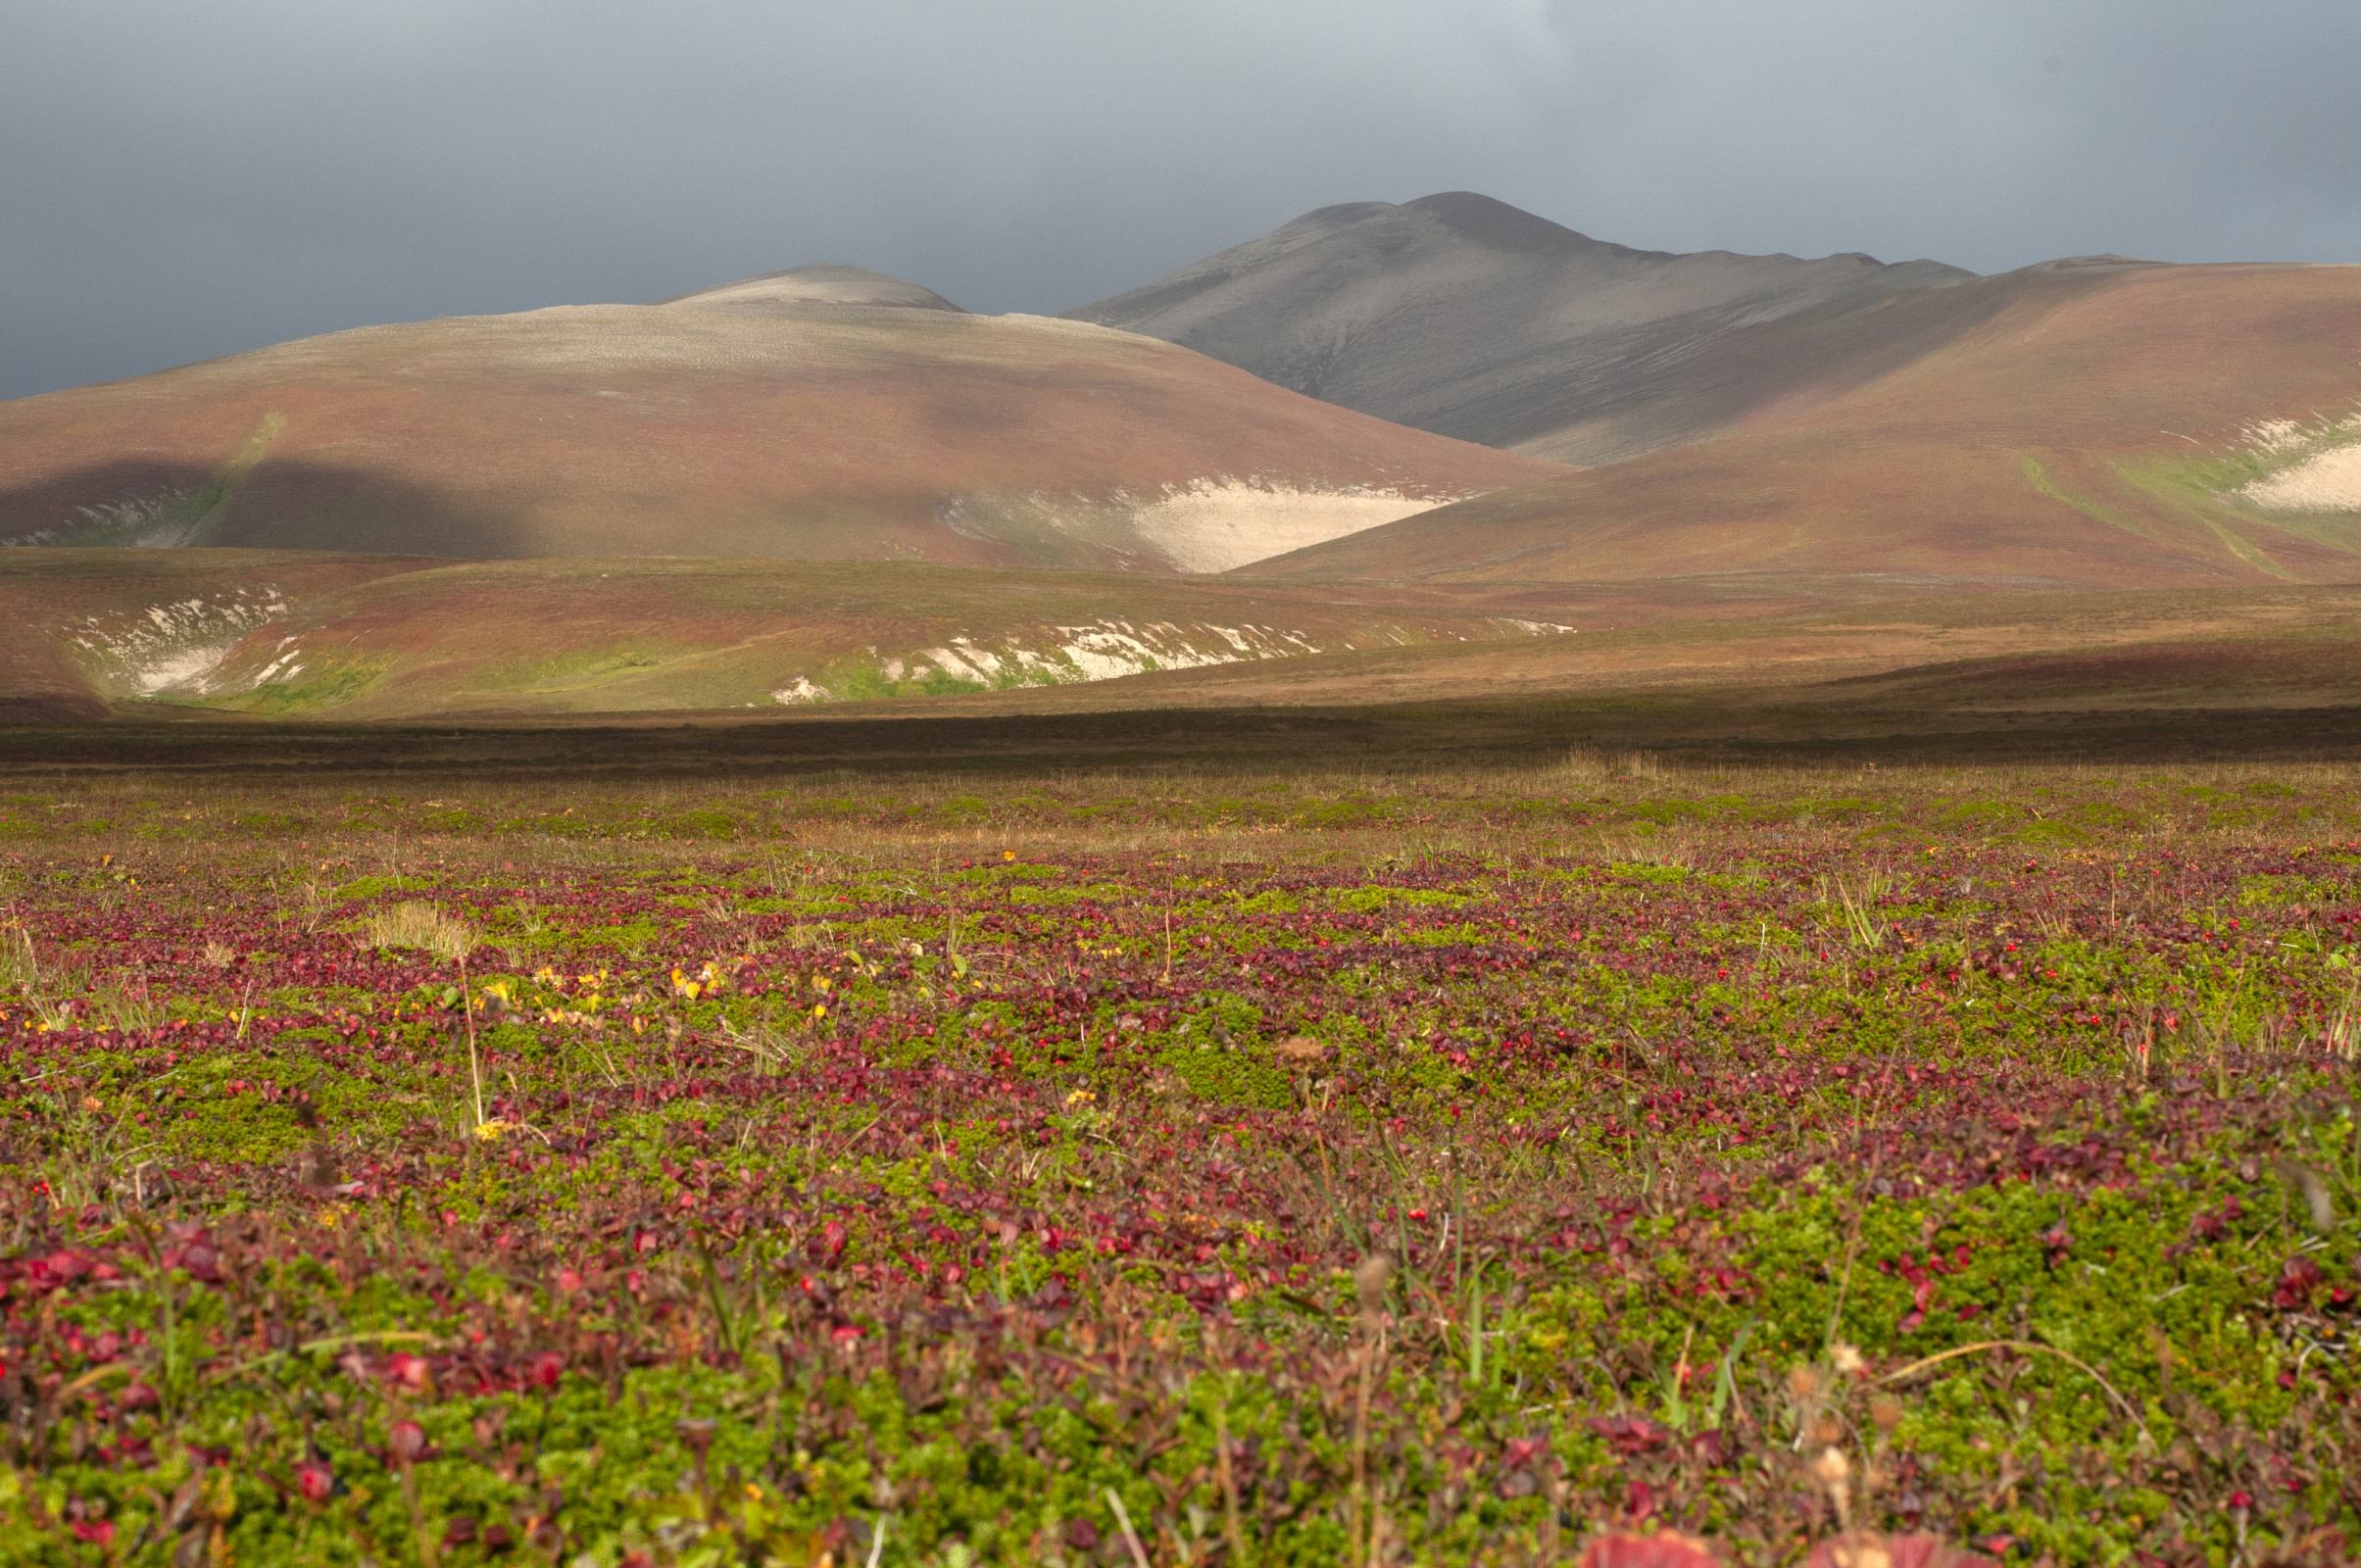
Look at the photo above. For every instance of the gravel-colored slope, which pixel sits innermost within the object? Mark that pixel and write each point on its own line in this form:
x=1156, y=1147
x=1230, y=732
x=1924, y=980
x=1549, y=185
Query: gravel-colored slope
x=2109, y=425
x=764, y=418
x=1462, y=314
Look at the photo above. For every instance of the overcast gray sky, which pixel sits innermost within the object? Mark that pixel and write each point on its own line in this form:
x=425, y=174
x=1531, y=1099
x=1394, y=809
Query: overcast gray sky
x=181, y=178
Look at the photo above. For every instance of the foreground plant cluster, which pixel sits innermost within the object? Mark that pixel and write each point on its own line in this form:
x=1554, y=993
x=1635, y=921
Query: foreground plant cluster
x=1884, y=1169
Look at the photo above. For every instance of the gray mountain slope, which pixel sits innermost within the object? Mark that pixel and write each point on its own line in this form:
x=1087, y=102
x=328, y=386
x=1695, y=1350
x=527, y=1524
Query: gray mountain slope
x=1465, y=315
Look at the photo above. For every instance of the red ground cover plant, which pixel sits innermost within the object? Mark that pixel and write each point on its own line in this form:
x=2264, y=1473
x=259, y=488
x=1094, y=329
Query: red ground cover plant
x=1637, y=1175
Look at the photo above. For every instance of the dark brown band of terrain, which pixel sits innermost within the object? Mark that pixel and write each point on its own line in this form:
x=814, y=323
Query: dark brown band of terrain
x=1767, y=727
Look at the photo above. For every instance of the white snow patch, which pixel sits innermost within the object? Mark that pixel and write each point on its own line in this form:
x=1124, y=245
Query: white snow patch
x=1213, y=525
x=1110, y=648
x=178, y=646
x=2273, y=435
x=172, y=670
x=964, y=661
x=2327, y=482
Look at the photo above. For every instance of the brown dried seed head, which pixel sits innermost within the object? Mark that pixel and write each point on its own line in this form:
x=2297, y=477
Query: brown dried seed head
x=2314, y=1189
x=1834, y=1471
x=1370, y=1281
x=1887, y=1411
x=1301, y=1049
x=1861, y=1548
x=1827, y=1429
x=1803, y=1382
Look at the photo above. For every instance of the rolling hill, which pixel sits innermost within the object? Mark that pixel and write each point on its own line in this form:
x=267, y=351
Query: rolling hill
x=819, y=414
x=2100, y=480
x=358, y=652
x=2100, y=424
x=1462, y=315
x=280, y=635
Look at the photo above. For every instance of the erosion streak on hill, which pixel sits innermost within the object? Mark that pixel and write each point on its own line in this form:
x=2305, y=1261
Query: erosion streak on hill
x=764, y=418
x=2110, y=426
x=1462, y=314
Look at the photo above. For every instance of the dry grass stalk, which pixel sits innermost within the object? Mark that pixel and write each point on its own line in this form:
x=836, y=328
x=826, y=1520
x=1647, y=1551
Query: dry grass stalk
x=1372, y=1281
x=422, y=925
x=1861, y=919
x=1667, y=849
x=1232, y=1531
x=2344, y=1029
x=1585, y=764
x=1131, y=1537
x=19, y=965
x=765, y=1044
x=412, y=924
x=317, y=907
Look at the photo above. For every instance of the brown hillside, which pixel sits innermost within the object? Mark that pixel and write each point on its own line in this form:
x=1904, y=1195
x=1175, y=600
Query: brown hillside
x=2070, y=424
x=758, y=419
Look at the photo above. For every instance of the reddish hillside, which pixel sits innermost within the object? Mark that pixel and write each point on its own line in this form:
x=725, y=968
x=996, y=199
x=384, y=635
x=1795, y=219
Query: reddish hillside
x=2067, y=424
x=767, y=419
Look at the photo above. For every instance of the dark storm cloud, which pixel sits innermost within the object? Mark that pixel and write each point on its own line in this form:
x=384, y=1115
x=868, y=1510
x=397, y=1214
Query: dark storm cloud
x=180, y=179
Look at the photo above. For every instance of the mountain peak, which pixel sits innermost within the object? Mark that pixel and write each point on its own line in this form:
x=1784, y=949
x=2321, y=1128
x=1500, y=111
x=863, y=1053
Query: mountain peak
x=1460, y=313
x=1492, y=221
x=829, y=283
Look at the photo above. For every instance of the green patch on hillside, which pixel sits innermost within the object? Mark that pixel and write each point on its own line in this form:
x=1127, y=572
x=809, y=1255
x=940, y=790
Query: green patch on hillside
x=2046, y=483
x=320, y=682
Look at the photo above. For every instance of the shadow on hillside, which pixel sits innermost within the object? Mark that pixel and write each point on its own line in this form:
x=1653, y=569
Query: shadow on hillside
x=284, y=504
x=1638, y=397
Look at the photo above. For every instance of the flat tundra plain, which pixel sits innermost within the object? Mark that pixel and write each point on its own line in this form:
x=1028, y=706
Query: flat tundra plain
x=1607, y=1157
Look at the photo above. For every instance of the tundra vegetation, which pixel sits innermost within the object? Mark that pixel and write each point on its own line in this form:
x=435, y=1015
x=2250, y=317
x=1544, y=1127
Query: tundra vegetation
x=1604, y=1160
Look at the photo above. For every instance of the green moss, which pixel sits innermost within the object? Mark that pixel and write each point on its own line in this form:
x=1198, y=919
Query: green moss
x=1230, y=1078
x=699, y=824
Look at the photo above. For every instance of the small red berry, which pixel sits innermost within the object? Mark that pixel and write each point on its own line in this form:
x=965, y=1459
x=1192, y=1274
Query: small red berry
x=408, y=1439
